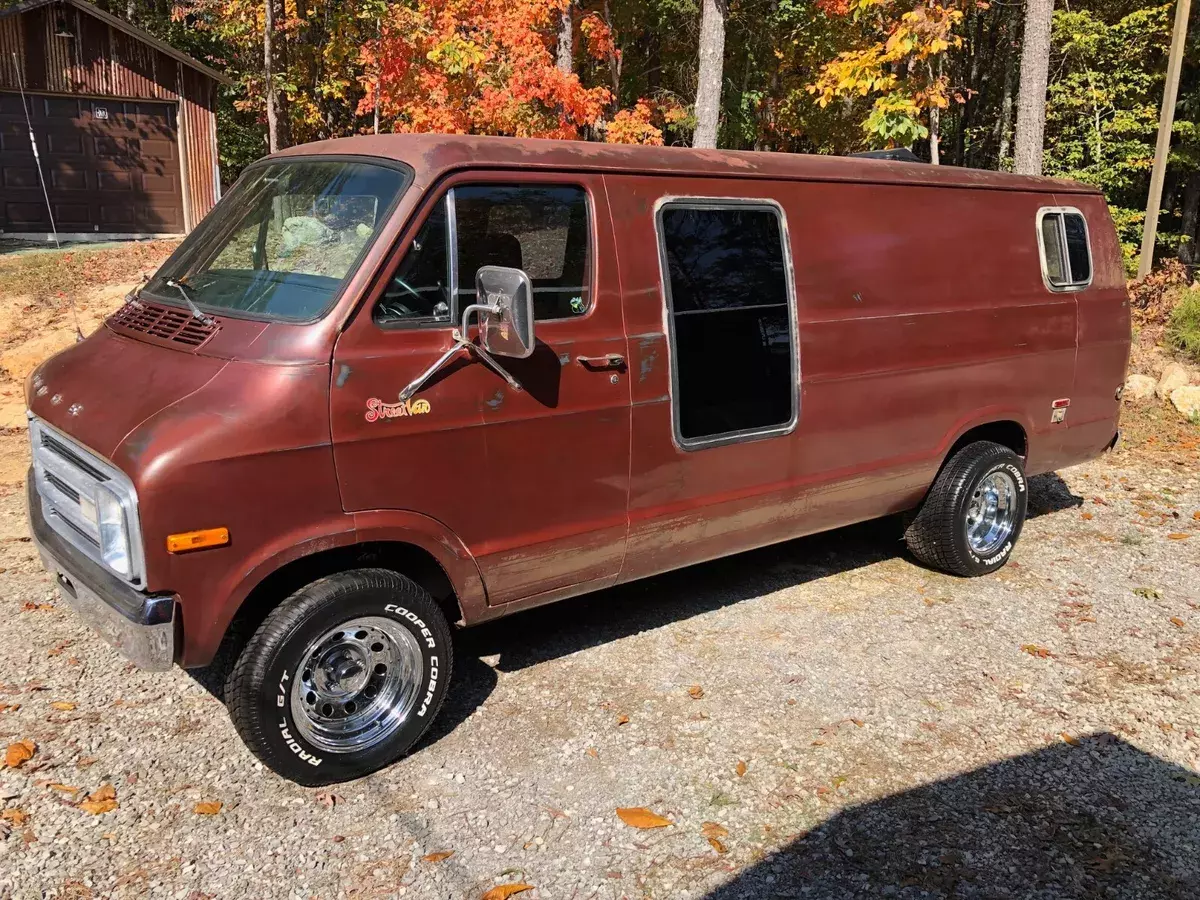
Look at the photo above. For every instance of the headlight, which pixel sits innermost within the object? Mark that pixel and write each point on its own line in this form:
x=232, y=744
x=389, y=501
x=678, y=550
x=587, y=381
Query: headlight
x=115, y=551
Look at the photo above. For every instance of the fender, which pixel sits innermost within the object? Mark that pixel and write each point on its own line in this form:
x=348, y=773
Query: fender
x=989, y=415
x=204, y=637
x=435, y=538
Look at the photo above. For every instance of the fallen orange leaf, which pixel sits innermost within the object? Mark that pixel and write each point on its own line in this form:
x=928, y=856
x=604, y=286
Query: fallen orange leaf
x=1178, y=536
x=740, y=768
x=717, y=845
x=15, y=816
x=504, y=891
x=1035, y=650
x=65, y=788
x=714, y=830
x=1074, y=742
x=101, y=800
x=622, y=720
x=9, y=707
x=438, y=856
x=207, y=807
x=696, y=692
x=64, y=705
x=1177, y=622
x=640, y=817
x=1196, y=515
x=1085, y=516
x=19, y=753
x=593, y=752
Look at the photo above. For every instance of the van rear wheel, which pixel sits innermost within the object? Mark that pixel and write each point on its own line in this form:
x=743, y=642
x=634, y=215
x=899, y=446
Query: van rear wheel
x=342, y=678
x=973, y=514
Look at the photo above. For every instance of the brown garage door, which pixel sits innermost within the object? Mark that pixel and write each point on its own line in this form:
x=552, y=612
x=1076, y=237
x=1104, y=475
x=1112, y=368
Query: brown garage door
x=110, y=165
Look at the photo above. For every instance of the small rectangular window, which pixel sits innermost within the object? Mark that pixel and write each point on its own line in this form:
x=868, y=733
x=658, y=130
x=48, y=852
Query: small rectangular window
x=730, y=306
x=1066, y=253
x=541, y=229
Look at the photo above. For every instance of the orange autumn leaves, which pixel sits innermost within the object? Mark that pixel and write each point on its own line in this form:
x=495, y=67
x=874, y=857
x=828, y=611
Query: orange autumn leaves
x=488, y=67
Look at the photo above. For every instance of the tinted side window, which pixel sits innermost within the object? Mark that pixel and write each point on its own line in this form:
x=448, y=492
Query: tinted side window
x=419, y=291
x=729, y=303
x=542, y=229
x=1067, y=256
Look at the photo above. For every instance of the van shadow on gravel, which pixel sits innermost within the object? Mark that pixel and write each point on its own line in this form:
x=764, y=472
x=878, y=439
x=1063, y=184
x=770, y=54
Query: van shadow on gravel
x=1103, y=819
x=561, y=629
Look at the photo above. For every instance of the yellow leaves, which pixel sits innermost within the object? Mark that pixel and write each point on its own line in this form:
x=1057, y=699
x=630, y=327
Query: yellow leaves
x=19, y=753
x=640, y=817
x=504, y=891
x=1073, y=741
x=1178, y=622
x=62, y=705
x=740, y=768
x=15, y=816
x=437, y=856
x=1178, y=536
x=1035, y=650
x=100, y=801
x=208, y=807
x=696, y=692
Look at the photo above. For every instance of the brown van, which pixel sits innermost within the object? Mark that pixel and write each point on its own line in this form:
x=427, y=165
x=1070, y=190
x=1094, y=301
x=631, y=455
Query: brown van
x=394, y=383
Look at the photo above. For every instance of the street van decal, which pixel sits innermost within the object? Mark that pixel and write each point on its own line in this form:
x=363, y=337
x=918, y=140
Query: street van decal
x=377, y=409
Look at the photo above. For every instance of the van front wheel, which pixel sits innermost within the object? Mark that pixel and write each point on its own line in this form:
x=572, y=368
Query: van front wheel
x=973, y=514
x=342, y=678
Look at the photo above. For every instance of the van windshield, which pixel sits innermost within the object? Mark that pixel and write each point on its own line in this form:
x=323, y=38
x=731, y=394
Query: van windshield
x=283, y=242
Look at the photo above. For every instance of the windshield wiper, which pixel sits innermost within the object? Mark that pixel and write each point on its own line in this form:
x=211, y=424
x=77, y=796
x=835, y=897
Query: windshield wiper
x=191, y=304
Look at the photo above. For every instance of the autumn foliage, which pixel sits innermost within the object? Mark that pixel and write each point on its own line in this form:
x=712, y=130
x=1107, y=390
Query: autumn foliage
x=488, y=67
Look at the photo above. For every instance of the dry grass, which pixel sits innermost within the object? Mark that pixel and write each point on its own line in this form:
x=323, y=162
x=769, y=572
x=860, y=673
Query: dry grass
x=67, y=274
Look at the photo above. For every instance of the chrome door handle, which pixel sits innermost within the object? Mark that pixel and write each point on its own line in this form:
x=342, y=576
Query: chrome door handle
x=608, y=361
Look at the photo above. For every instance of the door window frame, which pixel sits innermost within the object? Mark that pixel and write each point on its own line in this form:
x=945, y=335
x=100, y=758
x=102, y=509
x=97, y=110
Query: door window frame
x=1061, y=212
x=504, y=179
x=720, y=203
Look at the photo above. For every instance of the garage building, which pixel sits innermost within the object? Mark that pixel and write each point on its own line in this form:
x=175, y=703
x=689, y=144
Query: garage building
x=125, y=126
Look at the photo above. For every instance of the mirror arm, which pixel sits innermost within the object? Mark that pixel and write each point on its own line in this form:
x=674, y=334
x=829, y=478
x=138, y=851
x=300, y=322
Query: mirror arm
x=461, y=342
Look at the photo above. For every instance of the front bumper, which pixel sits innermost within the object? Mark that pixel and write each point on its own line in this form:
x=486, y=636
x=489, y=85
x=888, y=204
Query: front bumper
x=141, y=626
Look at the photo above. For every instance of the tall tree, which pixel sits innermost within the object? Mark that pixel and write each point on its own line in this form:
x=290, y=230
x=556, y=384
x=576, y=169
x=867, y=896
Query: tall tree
x=566, y=24
x=710, y=72
x=1031, y=92
x=274, y=133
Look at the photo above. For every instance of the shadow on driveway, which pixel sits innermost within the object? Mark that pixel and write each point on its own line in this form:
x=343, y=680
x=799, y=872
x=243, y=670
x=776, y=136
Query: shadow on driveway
x=1100, y=820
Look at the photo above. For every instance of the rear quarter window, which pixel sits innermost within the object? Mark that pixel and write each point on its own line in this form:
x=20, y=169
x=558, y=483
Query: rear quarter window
x=1065, y=248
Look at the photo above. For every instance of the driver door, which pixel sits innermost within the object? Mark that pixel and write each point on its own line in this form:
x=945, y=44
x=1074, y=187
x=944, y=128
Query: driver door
x=534, y=482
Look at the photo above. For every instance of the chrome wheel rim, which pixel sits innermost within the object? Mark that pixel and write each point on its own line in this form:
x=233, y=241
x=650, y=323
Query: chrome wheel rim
x=991, y=513
x=356, y=684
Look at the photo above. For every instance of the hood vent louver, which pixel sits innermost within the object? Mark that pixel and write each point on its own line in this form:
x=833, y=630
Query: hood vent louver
x=165, y=324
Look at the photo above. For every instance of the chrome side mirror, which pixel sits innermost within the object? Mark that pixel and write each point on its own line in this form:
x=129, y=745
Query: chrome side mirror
x=504, y=299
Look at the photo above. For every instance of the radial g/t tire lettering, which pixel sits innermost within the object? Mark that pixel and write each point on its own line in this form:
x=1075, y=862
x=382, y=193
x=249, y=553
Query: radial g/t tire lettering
x=342, y=678
x=972, y=517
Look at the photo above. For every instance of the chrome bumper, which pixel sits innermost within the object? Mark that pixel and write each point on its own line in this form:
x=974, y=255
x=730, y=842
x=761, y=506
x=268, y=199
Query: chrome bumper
x=141, y=626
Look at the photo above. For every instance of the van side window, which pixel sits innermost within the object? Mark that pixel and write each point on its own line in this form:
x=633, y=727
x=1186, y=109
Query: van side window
x=1066, y=252
x=419, y=291
x=542, y=229
x=729, y=301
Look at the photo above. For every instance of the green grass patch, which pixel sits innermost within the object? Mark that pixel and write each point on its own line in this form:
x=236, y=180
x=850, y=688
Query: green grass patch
x=1183, y=328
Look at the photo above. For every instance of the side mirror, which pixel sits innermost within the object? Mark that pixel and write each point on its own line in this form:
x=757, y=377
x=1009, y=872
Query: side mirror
x=505, y=304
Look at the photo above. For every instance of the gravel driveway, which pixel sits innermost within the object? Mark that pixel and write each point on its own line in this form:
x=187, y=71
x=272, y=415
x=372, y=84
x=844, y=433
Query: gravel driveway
x=851, y=724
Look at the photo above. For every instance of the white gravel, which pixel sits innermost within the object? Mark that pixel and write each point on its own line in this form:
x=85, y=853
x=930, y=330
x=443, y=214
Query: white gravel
x=897, y=739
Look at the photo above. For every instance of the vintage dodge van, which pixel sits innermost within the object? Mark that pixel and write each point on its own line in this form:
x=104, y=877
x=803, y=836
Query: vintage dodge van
x=395, y=383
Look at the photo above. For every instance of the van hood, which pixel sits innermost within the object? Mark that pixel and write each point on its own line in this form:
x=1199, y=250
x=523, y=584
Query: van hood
x=102, y=388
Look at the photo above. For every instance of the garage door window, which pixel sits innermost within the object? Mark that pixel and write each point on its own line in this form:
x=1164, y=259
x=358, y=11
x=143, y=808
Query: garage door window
x=284, y=241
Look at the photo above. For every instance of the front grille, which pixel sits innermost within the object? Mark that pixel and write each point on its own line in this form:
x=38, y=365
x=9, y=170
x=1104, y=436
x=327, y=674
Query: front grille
x=66, y=475
x=166, y=323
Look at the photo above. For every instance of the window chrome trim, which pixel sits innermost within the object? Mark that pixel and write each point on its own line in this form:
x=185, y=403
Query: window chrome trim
x=718, y=203
x=1060, y=212
x=125, y=493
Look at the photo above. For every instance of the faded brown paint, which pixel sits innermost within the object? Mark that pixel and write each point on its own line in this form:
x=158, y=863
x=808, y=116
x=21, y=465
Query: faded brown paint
x=908, y=338
x=102, y=61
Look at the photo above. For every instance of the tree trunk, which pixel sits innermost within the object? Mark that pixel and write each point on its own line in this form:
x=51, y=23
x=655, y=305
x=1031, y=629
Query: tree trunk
x=1031, y=95
x=1189, y=253
x=712, y=60
x=566, y=58
x=1004, y=124
x=273, y=143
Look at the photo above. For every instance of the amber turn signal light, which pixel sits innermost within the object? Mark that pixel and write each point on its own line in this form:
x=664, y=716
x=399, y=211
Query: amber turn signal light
x=197, y=540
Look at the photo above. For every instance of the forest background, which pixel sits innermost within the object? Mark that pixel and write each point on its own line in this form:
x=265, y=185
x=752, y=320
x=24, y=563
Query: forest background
x=947, y=78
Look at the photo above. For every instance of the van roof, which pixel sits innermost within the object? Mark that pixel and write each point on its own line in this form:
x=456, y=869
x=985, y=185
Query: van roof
x=433, y=155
